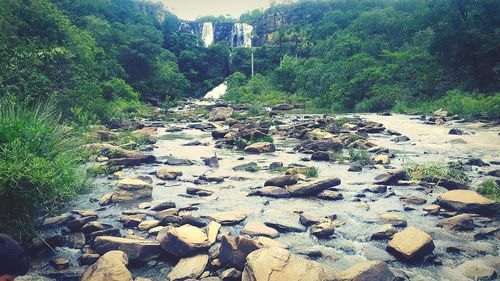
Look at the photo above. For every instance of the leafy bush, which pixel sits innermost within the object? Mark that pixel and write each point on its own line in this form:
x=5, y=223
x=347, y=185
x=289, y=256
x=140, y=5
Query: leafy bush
x=39, y=166
x=490, y=189
x=359, y=155
x=464, y=104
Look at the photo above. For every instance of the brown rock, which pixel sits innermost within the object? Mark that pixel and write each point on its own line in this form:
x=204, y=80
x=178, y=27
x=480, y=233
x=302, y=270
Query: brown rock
x=410, y=244
x=137, y=250
x=110, y=267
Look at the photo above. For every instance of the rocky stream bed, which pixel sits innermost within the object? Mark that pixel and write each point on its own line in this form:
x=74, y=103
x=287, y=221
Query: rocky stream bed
x=193, y=206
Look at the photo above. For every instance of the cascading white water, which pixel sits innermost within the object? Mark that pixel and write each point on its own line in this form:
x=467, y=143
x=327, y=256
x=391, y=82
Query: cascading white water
x=217, y=92
x=207, y=33
x=241, y=35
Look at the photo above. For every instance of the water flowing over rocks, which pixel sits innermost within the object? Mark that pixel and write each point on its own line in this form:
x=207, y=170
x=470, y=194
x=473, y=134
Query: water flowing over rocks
x=329, y=198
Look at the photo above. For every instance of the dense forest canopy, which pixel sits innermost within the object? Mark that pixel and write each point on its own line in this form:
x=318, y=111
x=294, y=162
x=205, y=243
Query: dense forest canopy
x=99, y=59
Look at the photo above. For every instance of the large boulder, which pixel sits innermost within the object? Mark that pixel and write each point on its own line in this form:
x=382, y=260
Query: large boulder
x=220, y=113
x=183, y=241
x=367, y=271
x=136, y=250
x=234, y=250
x=131, y=189
x=312, y=187
x=110, y=267
x=410, y=244
x=467, y=201
x=189, y=268
x=260, y=147
x=276, y=264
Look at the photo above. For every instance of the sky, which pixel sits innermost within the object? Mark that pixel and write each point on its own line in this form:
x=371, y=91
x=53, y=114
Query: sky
x=192, y=9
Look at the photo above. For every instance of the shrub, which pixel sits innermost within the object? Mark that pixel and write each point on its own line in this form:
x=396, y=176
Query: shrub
x=38, y=167
x=436, y=172
x=360, y=155
x=490, y=189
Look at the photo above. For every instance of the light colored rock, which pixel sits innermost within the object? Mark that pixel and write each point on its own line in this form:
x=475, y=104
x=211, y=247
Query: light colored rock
x=136, y=250
x=381, y=159
x=227, y=218
x=146, y=225
x=367, y=271
x=312, y=187
x=110, y=267
x=410, y=244
x=105, y=199
x=260, y=147
x=467, y=201
x=167, y=174
x=385, y=232
x=459, y=222
x=281, y=181
x=254, y=228
x=394, y=219
x=276, y=264
x=323, y=230
x=212, y=231
x=480, y=269
x=131, y=189
x=183, y=241
x=188, y=268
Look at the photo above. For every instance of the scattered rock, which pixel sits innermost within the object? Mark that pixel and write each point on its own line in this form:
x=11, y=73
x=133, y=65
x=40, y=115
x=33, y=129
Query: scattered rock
x=254, y=228
x=275, y=264
x=136, y=250
x=131, y=189
x=271, y=191
x=227, y=218
x=323, y=230
x=249, y=167
x=183, y=241
x=198, y=191
x=467, y=201
x=260, y=147
x=168, y=174
x=320, y=156
x=234, y=250
x=330, y=195
x=391, y=177
x=410, y=244
x=110, y=267
x=462, y=222
x=189, y=268
x=312, y=187
x=394, y=219
x=220, y=113
x=455, y=131
x=381, y=159
x=385, y=232
x=163, y=206
x=281, y=181
x=59, y=263
x=365, y=271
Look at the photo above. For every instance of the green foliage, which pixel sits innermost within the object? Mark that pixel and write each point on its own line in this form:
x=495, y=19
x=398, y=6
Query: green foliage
x=490, y=189
x=242, y=143
x=100, y=170
x=312, y=173
x=359, y=155
x=463, y=104
x=436, y=172
x=365, y=55
x=39, y=166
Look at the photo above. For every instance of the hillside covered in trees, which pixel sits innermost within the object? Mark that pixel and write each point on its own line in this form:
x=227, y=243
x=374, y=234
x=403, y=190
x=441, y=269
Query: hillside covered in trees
x=373, y=55
x=98, y=59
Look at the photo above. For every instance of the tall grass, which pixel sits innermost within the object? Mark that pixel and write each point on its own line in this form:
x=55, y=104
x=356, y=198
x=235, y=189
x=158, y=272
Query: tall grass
x=39, y=166
x=457, y=102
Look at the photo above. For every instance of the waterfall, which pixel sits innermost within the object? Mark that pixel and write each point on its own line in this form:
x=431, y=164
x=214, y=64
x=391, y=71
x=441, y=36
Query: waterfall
x=241, y=35
x=207, y=34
